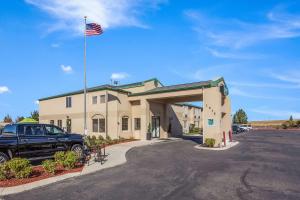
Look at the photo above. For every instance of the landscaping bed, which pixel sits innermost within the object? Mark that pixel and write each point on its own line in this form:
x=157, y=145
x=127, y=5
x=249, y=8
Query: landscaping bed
x=38, y=173
x=92, y=142
x=18, y=171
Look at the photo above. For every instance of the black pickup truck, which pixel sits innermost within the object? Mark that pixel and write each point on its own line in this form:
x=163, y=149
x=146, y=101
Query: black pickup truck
x=36, y=141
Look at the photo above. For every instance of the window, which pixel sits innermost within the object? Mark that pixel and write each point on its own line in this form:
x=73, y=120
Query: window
x=33, y=130
x=59, y=123
x=124, y=123
x=102, y=98
x=94, y=99
x=95, y=125
x=137, y=123
x=52, y=130
x=210, y=122
x=102, y=125
x=52, y=122
x=9, y=130
x=98, y=125
x=68, y=102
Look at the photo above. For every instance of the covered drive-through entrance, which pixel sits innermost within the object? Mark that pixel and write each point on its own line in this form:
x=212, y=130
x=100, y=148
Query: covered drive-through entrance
x=158, y=113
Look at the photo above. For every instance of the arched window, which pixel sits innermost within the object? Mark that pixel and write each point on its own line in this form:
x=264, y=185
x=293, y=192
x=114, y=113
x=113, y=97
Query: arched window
x=98, y=124
x=125, y=121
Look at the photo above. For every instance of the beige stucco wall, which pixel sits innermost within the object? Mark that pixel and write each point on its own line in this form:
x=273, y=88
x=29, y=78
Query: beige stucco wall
x=144, y=107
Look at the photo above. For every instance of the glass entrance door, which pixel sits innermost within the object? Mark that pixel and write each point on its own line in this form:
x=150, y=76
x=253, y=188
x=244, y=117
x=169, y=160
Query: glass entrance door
x=155, y=126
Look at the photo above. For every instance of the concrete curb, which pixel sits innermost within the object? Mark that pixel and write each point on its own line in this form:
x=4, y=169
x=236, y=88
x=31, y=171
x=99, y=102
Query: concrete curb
x=117, y=154
x=228, y=146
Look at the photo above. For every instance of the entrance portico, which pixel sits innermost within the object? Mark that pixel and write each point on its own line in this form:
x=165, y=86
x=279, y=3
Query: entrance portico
x=158, y=102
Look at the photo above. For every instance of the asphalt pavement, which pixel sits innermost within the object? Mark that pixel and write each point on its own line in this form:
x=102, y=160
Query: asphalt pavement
x=264, y=165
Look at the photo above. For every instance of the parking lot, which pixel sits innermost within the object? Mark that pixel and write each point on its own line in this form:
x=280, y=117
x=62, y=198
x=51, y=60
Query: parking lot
x=265, y=165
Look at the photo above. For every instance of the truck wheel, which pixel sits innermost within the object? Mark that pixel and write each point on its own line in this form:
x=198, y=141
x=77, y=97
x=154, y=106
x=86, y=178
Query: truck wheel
x=3, y=158
x=78, y=149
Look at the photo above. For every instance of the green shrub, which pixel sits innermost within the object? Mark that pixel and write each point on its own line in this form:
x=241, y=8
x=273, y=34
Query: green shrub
x=4, y=171
x=210, y=142
x=93, y=137
x=59, y=157
x=49, y=166
x=298, y=123
x=108, y=140
x=20, y=167
x=115, y=141
x=70, y=160
x=284, y=126
x=100, y=137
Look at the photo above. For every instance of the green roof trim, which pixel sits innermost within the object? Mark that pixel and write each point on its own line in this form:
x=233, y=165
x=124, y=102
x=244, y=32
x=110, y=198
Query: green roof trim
x=94, y=89
x=216, y=82
x=182, y=87
x=188, y=104
x=138, y=84
x=163, y=89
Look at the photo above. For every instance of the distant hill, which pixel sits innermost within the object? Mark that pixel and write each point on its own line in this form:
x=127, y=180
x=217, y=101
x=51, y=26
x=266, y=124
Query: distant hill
x=268, y=123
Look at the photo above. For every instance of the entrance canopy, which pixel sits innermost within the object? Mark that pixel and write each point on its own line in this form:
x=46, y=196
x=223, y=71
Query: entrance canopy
x=213, y=94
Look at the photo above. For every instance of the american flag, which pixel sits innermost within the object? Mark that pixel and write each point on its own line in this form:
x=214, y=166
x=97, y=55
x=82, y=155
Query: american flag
x=93, y=29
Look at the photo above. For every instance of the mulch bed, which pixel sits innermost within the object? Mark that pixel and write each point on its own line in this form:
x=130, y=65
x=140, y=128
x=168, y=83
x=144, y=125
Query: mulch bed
x=120, y=142
x=38, y=173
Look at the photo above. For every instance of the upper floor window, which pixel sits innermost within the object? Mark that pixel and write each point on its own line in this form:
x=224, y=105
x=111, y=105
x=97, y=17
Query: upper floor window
x=102, y=98
x=94, y=99
x=124, y=123
x=52, y=122
x=68, y=102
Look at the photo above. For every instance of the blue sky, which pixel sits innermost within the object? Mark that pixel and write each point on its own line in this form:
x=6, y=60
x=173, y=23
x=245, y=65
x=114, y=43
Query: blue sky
x=255, y=45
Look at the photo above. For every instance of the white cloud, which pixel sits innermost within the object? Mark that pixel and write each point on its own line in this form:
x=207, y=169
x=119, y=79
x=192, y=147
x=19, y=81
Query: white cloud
x=4, y=89
x=109, y=13
x=263, y=85
x=37, y=102
x=232, y=55
x=284, y=114
x=292, y=76
x=249, y=94
x=67, y=69
x=55, y=45
x=236, y=34
x=119, y=76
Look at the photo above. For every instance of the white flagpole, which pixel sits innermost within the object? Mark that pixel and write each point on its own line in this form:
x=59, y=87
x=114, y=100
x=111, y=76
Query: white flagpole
x=85, y=125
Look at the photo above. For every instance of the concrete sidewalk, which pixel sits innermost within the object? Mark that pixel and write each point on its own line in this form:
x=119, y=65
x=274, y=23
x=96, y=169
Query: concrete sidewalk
x=116, y=156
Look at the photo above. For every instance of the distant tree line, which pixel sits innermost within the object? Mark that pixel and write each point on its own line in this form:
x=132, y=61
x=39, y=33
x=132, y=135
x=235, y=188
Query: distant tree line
x=34, y=115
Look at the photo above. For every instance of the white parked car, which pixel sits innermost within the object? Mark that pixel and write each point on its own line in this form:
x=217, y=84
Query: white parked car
x=246, y=127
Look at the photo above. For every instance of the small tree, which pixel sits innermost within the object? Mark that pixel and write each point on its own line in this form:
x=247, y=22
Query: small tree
x=291, y=122
x=7, y=119
x=35, y=115
x=240, y=117
x=19, y=118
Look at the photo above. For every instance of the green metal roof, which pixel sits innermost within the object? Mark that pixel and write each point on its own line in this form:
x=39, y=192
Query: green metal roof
x=172, y=88
x=188, y=104
x=119, y=88
x=138, y=84
x=186, y=86
x=92, y=89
